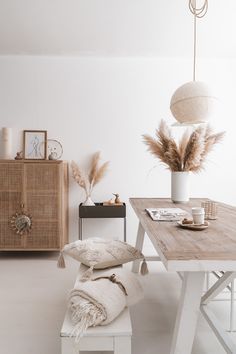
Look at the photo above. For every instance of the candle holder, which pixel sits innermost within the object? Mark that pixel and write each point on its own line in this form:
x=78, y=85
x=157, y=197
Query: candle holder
x=6, y=143
x=210, y=208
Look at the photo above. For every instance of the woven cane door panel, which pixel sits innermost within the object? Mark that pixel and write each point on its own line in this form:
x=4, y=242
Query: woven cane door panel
x=42, y=177
x=15, y=176
x=11, y=176
x=43, y=236
x=8, y=238
x=42, y=206
x=4, y=182
x=42, y=200
x=11, y=197
x=9, y=204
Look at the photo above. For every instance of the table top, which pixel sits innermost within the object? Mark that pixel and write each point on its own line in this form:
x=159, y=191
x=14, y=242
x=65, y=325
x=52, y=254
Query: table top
x=186, y=250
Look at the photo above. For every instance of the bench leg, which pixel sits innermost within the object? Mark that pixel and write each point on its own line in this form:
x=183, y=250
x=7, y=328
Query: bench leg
x=68, y=346
x=122, y=345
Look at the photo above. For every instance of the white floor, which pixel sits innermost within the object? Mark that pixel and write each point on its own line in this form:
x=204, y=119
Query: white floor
x=33, y=301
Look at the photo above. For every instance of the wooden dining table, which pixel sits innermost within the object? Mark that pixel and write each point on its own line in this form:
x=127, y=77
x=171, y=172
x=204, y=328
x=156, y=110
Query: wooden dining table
x=192, y=254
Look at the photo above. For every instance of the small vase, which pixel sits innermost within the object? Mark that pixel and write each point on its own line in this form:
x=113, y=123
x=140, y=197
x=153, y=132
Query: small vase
x=180, y=187
x=88, y=201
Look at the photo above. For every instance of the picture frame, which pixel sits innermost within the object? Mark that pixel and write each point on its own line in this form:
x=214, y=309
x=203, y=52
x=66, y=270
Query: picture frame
x=35, y=144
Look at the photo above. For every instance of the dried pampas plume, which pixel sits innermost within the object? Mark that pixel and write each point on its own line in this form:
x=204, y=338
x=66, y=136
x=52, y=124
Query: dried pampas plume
x=97, y=173
x=100, y=173
x=94, y=166
x=88, y=180
x=187, y=155
x=78, y=175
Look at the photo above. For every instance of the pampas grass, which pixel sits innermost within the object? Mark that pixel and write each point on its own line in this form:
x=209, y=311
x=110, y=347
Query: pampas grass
x=94, y=166
x=187, y=155
x=100, y=173
x=79, y=176
x=88, y=180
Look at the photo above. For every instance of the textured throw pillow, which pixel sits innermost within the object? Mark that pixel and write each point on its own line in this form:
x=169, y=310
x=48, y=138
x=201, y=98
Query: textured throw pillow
x=99, y=253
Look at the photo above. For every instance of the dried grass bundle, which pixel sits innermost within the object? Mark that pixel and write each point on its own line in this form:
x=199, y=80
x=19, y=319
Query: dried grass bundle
x=79, y=176
x=191, y=151
x=88, y=180
x=94, y=166
x=182, y=146
x=194, y=150
x=97, y=173
x=101, y=171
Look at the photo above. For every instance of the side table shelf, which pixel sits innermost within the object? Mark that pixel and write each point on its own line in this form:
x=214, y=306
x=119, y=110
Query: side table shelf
x=100, y=211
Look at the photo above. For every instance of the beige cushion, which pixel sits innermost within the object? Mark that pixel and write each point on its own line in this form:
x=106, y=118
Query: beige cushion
x=100, y=253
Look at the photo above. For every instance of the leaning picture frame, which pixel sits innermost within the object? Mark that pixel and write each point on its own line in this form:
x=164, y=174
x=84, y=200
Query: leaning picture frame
x=35, y=144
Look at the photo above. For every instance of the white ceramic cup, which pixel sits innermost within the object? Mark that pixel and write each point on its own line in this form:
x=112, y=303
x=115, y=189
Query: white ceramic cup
x=198, y=215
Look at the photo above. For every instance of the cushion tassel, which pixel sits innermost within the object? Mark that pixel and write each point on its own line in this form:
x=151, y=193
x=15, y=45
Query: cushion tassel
x=144, y=267
x=88, y=274
x=61, y=261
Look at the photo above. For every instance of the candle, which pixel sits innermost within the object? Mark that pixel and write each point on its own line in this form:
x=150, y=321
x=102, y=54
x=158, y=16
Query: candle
x=6, y=142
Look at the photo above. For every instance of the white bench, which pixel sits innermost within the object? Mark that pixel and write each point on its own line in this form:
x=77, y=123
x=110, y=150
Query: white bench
x=115, y=336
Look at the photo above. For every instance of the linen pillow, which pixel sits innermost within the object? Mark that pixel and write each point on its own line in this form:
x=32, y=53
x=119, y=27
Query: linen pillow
x=99, y=253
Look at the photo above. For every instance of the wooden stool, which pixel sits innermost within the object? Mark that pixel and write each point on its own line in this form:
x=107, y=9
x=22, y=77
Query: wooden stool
x=115, y=336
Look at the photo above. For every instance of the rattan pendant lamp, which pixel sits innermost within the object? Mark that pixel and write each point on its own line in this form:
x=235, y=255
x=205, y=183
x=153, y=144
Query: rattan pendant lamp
x=192, y=103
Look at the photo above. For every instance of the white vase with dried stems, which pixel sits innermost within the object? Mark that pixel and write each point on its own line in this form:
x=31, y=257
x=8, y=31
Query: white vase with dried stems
x=187, y=155
x=87, y=181
x=180, y=187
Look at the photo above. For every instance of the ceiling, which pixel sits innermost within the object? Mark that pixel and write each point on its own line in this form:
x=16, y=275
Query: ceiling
x=115, y=28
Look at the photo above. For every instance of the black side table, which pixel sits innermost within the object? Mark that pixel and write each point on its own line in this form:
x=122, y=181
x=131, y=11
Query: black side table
x=101, y=211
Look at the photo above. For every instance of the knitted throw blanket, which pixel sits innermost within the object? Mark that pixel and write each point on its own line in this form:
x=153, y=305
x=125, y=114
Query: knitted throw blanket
x=100, y=300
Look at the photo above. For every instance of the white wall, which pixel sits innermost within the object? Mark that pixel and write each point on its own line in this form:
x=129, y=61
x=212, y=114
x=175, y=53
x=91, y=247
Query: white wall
x=106, y=104
x=115, y=27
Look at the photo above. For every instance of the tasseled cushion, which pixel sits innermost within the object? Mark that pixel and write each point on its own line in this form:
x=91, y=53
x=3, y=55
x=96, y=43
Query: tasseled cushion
x=99, y=253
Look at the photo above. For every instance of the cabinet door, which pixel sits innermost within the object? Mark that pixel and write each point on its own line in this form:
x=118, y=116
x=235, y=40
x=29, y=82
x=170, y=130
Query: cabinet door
x=42, y=196
x=11, y=197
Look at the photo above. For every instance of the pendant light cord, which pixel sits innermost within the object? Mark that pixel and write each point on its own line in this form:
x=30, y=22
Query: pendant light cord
x=194, y=45
x=197, y=13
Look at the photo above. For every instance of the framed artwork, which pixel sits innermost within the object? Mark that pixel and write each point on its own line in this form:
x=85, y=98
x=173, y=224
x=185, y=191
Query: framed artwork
x=35, y=144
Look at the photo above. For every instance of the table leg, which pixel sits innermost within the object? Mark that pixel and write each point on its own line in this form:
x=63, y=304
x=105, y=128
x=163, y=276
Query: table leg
x=232, y=306
x=207, y=281
x=187, y=315
x=221, y=283
x=139, y=246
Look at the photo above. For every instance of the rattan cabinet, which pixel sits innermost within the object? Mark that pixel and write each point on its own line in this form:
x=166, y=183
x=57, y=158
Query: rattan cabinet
x=42, y=186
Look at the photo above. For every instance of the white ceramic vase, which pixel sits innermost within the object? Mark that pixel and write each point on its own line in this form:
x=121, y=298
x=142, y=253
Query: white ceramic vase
x=88, y=201
x=180, y=187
